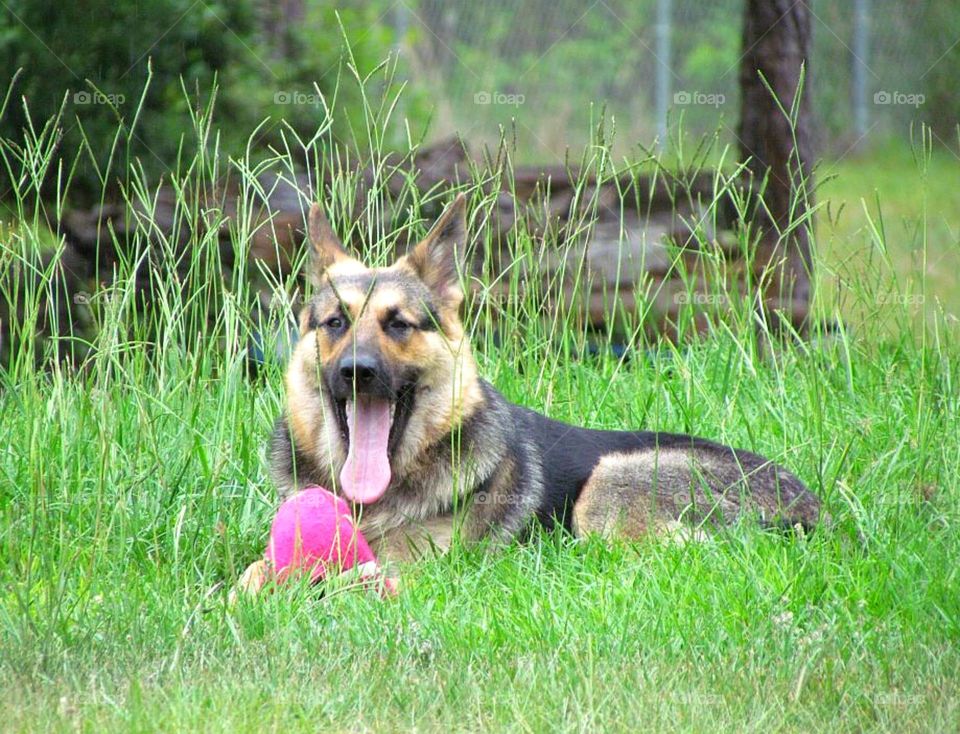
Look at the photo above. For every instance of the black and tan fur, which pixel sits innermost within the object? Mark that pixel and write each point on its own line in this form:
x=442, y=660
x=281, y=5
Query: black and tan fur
x=465, y=460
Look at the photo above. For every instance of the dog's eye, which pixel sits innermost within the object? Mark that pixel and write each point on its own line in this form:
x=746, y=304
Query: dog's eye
x=334, y=322
x=398, y=324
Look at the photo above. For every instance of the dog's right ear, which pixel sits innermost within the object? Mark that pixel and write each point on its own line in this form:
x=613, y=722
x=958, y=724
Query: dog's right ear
x=325, y=247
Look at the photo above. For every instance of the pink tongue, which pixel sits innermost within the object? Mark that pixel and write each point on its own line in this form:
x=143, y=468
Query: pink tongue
x=366, y=473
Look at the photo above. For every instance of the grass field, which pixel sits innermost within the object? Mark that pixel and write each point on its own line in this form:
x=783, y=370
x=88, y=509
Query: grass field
x=135, y=491
x=894, y=216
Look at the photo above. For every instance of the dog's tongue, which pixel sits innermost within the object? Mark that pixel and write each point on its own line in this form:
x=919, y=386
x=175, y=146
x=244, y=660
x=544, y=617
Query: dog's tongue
x=366, y=473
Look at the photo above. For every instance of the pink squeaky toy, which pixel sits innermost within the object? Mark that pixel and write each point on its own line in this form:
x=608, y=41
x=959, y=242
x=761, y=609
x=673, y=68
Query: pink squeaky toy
x=313, y=532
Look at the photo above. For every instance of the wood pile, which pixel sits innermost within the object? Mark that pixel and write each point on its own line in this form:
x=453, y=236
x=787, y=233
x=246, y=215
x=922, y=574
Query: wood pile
x=625, y=245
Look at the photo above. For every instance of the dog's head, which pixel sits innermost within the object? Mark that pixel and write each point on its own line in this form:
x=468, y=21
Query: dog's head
x=382, y=369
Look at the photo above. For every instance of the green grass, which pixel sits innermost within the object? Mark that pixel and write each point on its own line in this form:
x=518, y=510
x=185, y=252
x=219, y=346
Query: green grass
x=917, y=202
x=127, y=503
x=133, y=491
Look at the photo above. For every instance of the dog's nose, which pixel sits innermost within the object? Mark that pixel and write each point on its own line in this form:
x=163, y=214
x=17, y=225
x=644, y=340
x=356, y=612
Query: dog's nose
x=360, y=369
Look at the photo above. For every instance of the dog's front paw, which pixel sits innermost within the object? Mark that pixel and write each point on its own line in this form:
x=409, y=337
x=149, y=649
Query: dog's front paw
x=251, y=581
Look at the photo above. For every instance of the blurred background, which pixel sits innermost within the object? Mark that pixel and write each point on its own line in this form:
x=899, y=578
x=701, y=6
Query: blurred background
x=545, y=71
x=548, y=64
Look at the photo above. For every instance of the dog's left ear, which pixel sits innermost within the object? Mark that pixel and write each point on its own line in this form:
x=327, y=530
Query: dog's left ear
x=436, y=258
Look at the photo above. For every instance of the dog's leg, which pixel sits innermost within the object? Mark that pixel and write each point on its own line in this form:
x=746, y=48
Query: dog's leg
x=413, y=541
x=251, y=582
x=679, y=492
x=637, y=494
x=611, y=514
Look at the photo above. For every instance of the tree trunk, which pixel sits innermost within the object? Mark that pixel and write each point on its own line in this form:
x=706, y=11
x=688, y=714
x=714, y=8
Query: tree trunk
x=776, y=42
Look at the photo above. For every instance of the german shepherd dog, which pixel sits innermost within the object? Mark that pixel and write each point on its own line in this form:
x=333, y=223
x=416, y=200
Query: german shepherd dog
x=385, y=406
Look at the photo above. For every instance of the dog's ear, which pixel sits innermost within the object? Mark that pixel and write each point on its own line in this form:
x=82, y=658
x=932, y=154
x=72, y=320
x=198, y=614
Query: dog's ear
x=436, y=258
x=325, y=246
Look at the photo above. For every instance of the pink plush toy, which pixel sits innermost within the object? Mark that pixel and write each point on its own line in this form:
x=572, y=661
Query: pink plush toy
x=313, y=532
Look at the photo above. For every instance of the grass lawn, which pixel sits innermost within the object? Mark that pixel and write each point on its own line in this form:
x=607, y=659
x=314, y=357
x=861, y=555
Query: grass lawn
x=133, y=494
x=913, y=202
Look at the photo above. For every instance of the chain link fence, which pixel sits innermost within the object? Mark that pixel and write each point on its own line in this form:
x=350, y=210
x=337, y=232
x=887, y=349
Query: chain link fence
x=548, y=72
